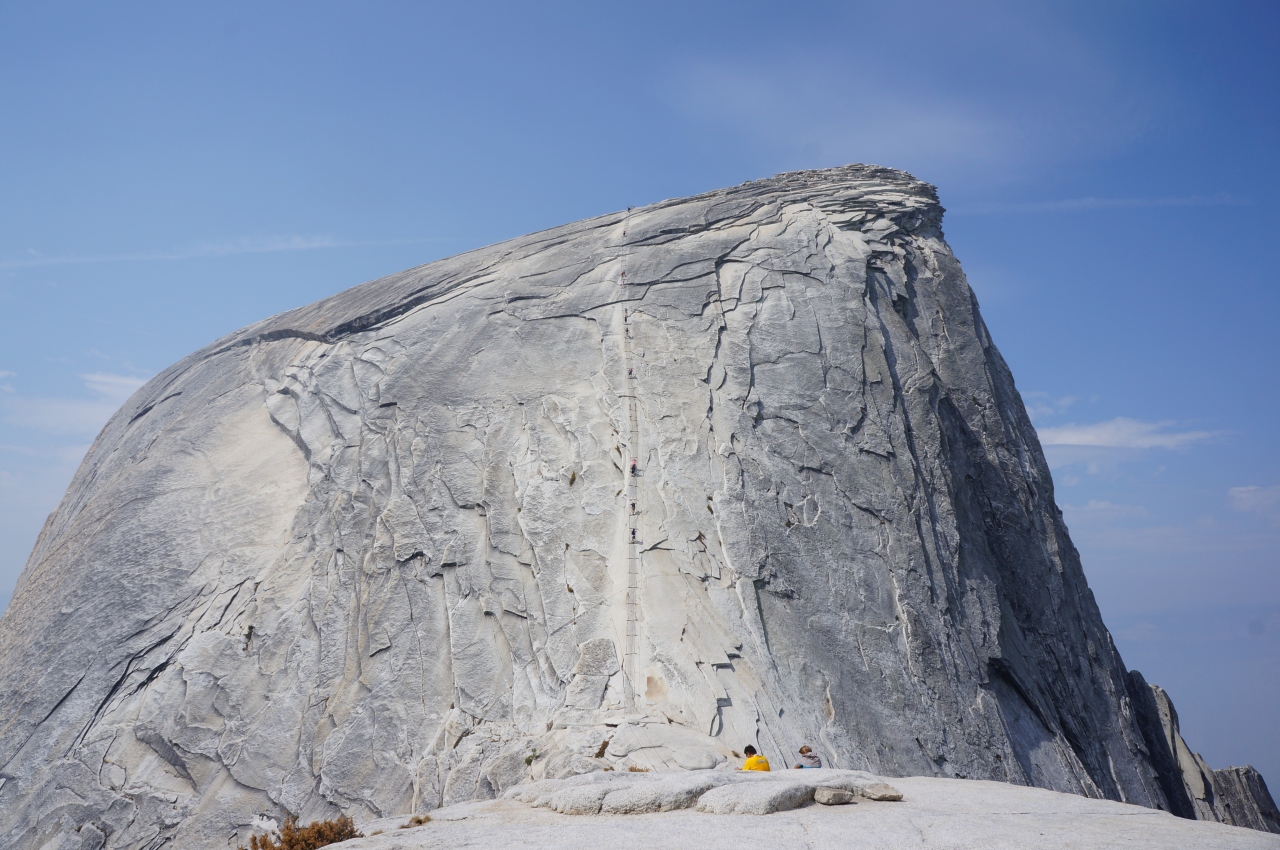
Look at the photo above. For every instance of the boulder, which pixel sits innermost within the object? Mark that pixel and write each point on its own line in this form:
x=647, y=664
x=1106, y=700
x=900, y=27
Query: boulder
x=664, y=794
x=880, y=791
x=755, y=798
x=832, y=796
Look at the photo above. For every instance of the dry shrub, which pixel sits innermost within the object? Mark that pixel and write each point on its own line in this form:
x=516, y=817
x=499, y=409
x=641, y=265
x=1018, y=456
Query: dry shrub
x=635, y=768
x=319, y=834
x=416, y=820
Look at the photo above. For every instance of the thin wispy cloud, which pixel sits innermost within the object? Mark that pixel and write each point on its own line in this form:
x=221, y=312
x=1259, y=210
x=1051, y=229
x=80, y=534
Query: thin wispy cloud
x=806, y=107
x=1263, y=501
x=1040, y=405
x=247, y=245
x=63, y=454
x=80, y=416
x=116, y=388
x=1093, y=203
x=1104, y=510
x=861, y=105
x=1121, y=433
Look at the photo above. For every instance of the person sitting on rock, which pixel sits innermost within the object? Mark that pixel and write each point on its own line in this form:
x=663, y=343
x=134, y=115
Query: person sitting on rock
x=754, y=760
x=808, y=758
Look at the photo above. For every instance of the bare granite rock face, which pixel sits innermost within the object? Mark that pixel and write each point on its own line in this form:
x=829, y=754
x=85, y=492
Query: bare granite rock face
x=1233, y=795
x=631, y=492
x=1243, y=799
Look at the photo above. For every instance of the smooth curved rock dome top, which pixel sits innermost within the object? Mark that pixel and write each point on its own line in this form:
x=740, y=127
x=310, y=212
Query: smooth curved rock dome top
x=629, y=493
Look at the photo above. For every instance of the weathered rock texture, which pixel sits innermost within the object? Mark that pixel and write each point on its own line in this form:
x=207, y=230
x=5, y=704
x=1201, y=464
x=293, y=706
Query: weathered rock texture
x=636, y=491
x=725, y=792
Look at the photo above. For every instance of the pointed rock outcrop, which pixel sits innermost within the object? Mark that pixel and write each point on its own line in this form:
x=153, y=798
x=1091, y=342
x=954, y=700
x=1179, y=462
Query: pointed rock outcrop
x=1235, y=795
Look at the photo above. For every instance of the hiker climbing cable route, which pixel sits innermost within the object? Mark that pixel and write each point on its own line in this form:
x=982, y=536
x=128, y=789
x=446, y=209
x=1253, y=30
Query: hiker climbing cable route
x=630, y=649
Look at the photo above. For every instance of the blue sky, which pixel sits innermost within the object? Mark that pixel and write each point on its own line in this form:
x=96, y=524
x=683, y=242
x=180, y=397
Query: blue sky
x=170, y=172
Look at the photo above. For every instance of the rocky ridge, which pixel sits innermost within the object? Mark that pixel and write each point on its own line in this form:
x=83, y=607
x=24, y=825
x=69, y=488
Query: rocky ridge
x=631, y=492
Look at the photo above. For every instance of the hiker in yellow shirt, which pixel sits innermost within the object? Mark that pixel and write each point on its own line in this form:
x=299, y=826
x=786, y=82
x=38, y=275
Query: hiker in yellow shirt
x=754, y=760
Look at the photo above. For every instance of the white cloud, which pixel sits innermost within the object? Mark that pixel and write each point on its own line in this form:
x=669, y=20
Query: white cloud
x=1141, y=632
x=247, y=245
x=244, y=245
x=1040, y=405
x=113, y=387
x=812, y=110
x=1264, y=501
x=83, y=416
x=1103, y=510
x=71, y=454
x=1087, y=204
x=1121, y=433
x=1064, y=99
x=4, y=374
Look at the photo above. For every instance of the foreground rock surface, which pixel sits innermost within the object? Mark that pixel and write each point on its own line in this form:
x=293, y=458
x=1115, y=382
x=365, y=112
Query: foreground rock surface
x=935, y=813
x=632, y=492
x=724, y=792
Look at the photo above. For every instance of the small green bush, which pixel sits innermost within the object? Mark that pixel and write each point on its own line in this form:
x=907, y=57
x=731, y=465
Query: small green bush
x=312, y=837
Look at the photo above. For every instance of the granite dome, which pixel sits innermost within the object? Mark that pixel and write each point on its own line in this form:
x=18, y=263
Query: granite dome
x=742, y=467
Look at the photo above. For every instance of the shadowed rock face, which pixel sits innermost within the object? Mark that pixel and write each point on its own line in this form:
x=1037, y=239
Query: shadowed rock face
x=389, y=550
